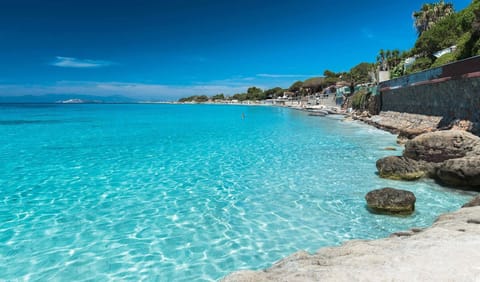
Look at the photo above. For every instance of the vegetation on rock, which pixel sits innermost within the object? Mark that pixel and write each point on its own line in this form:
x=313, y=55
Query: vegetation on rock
x=360, y=99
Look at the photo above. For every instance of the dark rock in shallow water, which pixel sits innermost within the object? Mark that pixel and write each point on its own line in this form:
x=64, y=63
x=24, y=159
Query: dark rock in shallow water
x=391, y=201
x=452, y=157
x=473, y=203
x=401, y=168
x=440, y=146
x=461, y=172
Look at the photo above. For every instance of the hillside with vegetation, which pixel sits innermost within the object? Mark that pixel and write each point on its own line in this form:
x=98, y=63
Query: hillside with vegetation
x=460, y=29
x=438, y=27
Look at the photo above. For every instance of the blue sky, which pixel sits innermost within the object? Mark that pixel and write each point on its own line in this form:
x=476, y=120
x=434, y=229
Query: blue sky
x=169, y=49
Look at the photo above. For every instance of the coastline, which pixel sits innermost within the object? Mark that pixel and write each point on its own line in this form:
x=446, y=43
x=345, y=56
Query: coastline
x=442, y=252
x=446, y=251
x=301, y=189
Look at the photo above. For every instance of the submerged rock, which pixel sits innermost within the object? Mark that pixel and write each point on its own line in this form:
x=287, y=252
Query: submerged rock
x=391, y=201
x=440, y=146
x=401, y=168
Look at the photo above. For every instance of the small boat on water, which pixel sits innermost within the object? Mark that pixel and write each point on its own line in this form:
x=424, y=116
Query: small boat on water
x=317, y=114
x=321, y=112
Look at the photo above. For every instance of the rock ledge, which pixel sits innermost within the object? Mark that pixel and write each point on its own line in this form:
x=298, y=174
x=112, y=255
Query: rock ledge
x=447, y=251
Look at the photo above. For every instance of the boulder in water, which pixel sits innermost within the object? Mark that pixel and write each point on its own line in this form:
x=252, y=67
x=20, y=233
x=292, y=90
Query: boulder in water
x=391, y=201
x=461, y=172
x=401, y=168
x=440, y=146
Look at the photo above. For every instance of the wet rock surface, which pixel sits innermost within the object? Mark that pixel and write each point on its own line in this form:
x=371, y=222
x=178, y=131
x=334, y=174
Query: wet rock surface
x=405, y=124
x=451, y=157
x=441, y=146
x=402, y=168
x=473, y=203
x=391, y=201
x=461, y=172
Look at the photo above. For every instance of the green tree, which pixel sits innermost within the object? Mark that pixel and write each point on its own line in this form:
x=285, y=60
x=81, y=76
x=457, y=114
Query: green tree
x=476, y=31
x=315, y=84
x=330, y=78
x=296, y=86
x=420, y=64
x=360, y=73
x=470, y=43
x=430, y=14
x=444, y=35
x=274, y=92
x=201, y=99
x=240, y=96
x=218, y=97
x=255, y=93
x=195, y=98
x=382, y=60
x=187, y=99
x=329, y=73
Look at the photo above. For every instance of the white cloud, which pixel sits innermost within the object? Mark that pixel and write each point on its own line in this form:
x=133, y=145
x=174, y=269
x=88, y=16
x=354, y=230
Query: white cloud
x=151, y=91
x=134, y=90
x=367, y=33
x=268, y=75
x=69, y=62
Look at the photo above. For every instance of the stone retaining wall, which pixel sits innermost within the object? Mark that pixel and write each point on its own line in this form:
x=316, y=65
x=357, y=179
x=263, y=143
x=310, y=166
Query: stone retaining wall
x=451, y=91
x=456, y=98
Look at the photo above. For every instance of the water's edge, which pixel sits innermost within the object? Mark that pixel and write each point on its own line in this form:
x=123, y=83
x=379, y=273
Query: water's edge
x=186, y=192
x=248, y=275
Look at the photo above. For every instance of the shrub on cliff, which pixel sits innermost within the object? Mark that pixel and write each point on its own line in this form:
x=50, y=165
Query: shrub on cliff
x=445, y=59
x=360, y=100
x=420, y=64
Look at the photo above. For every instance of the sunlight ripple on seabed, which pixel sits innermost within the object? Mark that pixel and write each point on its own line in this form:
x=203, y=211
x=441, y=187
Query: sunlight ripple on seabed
x=178, y=193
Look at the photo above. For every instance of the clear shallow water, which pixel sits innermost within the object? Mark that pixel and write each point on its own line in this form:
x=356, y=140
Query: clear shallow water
x=179, y=192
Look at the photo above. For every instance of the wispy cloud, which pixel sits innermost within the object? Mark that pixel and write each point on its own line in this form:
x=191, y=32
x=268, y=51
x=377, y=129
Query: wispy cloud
x=69, y=62
x=269, y=75
x=134, y=90
x=153, y=91
x=367, y=33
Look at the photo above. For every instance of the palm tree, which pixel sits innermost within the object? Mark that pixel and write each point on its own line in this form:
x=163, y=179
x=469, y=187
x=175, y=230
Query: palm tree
x=430, y=14
x=388, y=57
x=396, y=57
x=382, y=60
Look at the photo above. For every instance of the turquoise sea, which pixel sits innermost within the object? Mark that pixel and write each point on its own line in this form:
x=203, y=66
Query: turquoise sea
x=186, y=192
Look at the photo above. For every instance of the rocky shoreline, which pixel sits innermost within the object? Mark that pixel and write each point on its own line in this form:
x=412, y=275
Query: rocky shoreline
x=446, y=251
x=408, y=126
x=451, y=157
